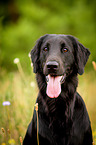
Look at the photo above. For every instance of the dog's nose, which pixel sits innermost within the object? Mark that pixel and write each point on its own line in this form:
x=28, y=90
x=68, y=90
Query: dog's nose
x=52, y=65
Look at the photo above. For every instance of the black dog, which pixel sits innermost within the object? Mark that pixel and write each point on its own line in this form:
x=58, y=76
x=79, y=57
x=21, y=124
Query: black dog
x=63, y=118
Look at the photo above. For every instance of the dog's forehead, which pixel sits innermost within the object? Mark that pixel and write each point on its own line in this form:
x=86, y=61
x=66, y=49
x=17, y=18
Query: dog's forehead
x=57, y=40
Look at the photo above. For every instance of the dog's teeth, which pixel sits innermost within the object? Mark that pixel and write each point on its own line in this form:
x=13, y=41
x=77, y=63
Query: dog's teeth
x=63, y=79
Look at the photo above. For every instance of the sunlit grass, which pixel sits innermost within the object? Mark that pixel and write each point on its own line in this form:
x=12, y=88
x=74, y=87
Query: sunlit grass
x=21, y=93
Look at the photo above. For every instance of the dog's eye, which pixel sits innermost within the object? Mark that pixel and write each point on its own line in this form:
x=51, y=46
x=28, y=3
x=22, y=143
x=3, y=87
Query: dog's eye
x=65, y=49
x=45, y=49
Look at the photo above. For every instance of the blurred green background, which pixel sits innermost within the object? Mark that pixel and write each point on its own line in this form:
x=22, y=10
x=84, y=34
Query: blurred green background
x=21, y=24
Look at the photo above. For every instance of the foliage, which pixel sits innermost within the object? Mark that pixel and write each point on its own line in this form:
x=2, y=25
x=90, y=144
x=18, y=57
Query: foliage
x=36, y=18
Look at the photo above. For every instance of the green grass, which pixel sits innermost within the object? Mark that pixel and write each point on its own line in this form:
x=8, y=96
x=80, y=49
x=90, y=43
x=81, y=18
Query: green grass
x=22, y=92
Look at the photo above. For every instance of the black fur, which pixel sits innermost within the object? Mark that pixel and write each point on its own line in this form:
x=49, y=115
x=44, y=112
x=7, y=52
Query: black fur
x=63, y=120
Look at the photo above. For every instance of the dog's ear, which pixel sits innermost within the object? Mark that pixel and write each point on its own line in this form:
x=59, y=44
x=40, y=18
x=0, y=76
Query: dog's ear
x=35, y=52
x=81, y=55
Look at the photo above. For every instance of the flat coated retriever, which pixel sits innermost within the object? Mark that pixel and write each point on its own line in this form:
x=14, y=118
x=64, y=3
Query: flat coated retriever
x=63, y=118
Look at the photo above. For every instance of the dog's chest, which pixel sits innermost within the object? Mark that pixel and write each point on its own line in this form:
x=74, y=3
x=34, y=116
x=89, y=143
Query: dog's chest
x=54, y=129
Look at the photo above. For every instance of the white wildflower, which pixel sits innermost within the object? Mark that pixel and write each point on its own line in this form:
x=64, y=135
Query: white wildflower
x=32, y=84
x=31, y=64
x=29, y=55
x=16, y=60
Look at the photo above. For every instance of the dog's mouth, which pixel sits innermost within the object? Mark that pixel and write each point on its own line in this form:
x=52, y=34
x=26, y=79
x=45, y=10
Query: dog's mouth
x=54, y=85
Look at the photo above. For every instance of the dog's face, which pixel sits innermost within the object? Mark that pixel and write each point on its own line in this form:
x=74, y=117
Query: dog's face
x=57, y=56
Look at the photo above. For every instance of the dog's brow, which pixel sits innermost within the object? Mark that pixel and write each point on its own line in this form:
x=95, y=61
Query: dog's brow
x=46, y=44
x=62, y=44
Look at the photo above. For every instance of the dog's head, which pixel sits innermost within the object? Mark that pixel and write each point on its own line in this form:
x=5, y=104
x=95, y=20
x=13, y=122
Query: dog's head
x=57, y=56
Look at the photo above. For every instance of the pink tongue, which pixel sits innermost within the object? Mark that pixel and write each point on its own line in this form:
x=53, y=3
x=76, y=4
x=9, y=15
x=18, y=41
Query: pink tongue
x=53, y=86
